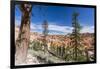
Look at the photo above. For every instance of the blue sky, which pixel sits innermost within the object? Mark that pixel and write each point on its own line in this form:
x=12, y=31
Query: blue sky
x=59, y=18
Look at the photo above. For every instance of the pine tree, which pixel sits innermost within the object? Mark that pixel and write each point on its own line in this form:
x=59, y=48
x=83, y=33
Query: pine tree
x=45, y=33
x=75, y=36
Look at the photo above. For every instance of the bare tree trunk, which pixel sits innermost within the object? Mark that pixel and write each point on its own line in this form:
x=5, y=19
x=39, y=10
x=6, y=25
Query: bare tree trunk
x=23, y=39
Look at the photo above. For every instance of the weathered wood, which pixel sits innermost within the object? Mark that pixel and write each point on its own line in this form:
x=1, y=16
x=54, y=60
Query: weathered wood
x=23, y=39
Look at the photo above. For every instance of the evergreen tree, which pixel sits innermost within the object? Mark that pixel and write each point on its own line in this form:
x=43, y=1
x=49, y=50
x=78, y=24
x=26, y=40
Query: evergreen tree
x=45, y=33
x=75, y=36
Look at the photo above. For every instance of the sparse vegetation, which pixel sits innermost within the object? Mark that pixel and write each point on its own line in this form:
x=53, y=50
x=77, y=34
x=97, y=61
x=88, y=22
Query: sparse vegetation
x=47, y=48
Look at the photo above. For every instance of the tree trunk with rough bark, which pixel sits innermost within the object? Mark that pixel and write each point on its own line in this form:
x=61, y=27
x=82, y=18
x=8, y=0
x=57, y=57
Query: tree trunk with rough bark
x=22, y=42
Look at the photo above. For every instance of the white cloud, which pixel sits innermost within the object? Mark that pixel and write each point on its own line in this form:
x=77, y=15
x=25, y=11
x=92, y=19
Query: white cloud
x=57, y=29
x=87, y=29
x=64, y=29
x=35, y=26
x=17, y=22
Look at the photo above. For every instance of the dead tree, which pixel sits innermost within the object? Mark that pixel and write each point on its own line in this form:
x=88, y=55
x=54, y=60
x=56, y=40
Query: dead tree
x=22, y=42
